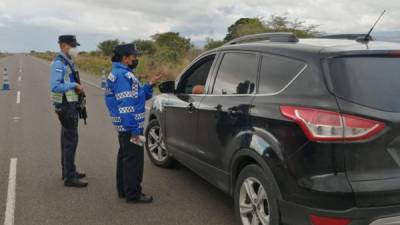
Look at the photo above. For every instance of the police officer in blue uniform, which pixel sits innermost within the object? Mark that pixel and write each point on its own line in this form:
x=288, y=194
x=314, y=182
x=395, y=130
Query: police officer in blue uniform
x=65, y=92
x=125, y=98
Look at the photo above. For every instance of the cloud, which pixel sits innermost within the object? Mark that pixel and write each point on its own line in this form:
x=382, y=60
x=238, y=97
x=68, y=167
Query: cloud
x=96, y=20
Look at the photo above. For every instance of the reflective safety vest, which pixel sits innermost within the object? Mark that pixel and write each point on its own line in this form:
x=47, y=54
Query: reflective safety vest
x=70, y=95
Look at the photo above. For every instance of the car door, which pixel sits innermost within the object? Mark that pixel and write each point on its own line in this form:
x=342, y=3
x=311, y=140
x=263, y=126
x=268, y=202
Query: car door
x=181, y=111
x=224, y=112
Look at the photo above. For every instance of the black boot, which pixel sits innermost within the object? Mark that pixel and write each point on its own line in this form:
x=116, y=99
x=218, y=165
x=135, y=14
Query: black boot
x=78, y=175
x=121, y=195
x=75, y=182
x=141, y=199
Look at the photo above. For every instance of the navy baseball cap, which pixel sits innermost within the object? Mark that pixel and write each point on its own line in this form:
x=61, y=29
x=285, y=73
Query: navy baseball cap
x=68, y=39
x=127, y=49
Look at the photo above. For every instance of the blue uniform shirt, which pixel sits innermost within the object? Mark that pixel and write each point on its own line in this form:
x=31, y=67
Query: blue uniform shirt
x=126, y=99
x=58, y=70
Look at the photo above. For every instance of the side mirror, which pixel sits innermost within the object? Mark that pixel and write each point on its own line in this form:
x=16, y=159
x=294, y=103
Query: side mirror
x=167, y=87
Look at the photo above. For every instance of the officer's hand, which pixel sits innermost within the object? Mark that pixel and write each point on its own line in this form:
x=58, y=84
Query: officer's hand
x=79, y=89
x=134, y=139
x=155, y=79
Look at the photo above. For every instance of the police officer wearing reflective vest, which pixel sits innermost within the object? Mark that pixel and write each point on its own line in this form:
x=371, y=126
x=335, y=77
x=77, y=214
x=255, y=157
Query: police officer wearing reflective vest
x=65, y=92
x=125, y=98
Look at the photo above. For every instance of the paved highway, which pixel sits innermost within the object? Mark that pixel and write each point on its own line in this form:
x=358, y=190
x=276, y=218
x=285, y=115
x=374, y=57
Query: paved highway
x=29, y=134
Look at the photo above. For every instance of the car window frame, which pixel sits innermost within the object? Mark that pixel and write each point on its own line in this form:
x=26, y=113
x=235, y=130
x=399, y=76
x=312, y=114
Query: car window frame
x=218, y=66
x=194, y=63
x=306, y=65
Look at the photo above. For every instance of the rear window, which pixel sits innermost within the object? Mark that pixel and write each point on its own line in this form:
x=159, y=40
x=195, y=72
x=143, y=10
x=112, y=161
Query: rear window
x=370, y=81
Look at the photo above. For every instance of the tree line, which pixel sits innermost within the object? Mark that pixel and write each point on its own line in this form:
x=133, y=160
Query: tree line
x=169, y=53
x=172, y=45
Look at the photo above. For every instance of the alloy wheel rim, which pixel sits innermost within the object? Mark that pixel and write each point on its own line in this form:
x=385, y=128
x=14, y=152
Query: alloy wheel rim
x=156, y=144
x=253, y=203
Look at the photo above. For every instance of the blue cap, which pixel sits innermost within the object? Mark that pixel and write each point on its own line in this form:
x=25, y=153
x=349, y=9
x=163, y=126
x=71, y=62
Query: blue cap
x=127, y=49
x=68, y=39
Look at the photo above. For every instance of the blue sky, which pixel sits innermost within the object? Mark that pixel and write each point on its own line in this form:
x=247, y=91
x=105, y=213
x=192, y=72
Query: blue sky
x=35, y=24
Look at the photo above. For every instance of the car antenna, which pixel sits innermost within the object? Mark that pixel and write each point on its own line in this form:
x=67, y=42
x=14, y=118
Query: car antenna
x=368, y=37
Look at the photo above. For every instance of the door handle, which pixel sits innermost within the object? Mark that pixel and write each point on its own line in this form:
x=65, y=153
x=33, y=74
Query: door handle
x=218, y=107
x=190, y=107
x=234, y=112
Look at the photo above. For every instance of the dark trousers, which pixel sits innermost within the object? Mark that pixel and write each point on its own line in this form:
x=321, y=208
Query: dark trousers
x=129, y=167
x=69, y=118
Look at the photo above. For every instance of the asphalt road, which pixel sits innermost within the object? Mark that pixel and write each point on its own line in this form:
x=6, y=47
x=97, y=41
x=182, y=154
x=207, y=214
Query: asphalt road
x=29, y=131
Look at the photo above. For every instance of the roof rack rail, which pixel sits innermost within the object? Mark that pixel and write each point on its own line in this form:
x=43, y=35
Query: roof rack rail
x=272, y=37
x=346, y=36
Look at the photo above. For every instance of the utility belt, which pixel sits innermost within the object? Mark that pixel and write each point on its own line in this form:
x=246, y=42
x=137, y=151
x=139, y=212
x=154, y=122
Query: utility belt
x=68, y=113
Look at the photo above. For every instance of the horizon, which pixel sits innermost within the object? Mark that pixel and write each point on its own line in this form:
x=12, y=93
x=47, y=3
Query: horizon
x=388, y=36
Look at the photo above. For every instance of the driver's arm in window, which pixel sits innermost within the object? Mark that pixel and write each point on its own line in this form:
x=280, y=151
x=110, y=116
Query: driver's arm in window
x=198, y=90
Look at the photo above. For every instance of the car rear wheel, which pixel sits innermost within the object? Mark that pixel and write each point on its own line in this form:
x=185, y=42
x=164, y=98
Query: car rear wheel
x=255, y=201
x=155, y=146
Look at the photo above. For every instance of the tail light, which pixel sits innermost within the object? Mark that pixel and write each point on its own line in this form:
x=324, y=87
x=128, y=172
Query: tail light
x=320, y=220
x=322, y=125
x=395, y=54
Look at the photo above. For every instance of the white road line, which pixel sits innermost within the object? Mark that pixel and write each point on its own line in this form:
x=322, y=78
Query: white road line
x=12, y=178
x=19, y=78
x=18, y=97
x=91, y=84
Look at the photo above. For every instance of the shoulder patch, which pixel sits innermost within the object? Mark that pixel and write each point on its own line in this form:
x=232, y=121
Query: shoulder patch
x=59, y=62
x=58, y=66
x=112, y=77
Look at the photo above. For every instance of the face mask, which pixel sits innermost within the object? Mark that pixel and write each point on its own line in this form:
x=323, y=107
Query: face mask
x=73, y=52
x=134, y=64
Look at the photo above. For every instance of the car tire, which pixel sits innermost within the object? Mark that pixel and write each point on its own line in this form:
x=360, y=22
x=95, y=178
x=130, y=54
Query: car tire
x=264, y=205
x=155, y=147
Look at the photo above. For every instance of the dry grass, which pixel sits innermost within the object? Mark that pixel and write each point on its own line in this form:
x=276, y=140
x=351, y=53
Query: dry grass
x=148, y=66
x=49, y=56
x=93, y=64
x=2, y=55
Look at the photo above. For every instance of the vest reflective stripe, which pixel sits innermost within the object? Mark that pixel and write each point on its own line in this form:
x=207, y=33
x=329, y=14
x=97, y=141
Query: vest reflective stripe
x=71, y=95
x=56, y=97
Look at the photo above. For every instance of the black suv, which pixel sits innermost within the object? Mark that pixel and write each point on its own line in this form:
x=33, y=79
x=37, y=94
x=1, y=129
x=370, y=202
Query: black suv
x=299, y=132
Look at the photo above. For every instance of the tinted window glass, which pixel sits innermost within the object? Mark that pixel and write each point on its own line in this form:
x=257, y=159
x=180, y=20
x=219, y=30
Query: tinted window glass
x=369, y=81
x=237, y=74
x=196, y=76
x=276, y=72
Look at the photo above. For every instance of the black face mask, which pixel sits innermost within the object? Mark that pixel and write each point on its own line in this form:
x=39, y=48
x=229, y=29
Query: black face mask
x=134, y=64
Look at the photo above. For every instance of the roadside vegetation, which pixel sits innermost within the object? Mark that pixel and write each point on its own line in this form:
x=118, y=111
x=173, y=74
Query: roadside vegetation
x=169, y=53
x=2, y=55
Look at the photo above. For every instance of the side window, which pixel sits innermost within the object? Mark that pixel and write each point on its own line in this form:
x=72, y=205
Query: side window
x=237, y=74
x=276, y=73
x=194, y=80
